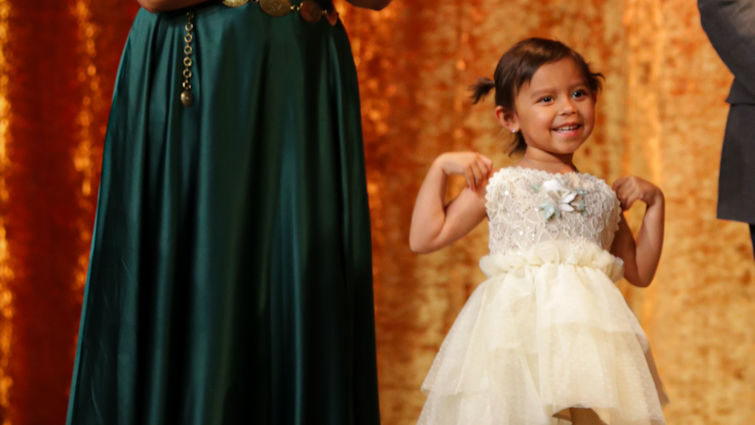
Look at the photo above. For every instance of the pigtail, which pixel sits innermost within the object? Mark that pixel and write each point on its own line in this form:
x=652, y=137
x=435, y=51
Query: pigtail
x=481, y=88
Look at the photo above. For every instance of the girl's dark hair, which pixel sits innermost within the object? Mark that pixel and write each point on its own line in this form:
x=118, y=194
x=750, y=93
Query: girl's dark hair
x=517, y=66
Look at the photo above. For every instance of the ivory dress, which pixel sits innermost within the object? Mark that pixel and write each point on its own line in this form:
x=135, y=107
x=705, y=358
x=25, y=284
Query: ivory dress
x=548, y=330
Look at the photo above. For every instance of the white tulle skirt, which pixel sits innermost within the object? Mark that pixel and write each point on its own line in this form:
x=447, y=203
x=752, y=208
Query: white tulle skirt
x=547, y=331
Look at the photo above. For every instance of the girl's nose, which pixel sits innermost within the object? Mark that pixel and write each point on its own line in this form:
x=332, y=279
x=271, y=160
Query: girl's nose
x=567, y=106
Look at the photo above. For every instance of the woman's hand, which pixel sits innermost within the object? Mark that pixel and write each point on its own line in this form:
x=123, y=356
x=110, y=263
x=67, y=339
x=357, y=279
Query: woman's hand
x=475, y=168
x=370, y=4
x=632, y=188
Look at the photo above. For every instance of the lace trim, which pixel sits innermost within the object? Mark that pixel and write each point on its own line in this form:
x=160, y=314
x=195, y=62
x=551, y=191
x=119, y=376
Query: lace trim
x=527, y=205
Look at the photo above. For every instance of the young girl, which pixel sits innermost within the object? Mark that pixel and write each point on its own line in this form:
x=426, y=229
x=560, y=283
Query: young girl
x=548, y=336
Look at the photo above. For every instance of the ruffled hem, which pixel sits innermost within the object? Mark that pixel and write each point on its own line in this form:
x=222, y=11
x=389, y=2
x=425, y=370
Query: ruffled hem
x=547, y=331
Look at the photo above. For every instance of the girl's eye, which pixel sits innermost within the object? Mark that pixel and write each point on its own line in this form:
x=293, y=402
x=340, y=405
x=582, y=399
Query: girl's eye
x=579, y=93
x=546, y=99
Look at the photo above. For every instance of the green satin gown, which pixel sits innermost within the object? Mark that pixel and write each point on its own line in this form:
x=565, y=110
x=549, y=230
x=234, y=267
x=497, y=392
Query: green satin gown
x=230, y=274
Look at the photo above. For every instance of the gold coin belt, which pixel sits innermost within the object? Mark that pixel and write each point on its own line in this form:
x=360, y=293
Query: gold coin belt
x=309, y=10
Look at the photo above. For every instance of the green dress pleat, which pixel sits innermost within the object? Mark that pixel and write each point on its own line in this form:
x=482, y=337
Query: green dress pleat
x=230, y=274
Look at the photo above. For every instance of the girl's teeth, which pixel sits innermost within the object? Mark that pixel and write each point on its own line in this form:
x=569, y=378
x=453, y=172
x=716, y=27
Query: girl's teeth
x=569, y=128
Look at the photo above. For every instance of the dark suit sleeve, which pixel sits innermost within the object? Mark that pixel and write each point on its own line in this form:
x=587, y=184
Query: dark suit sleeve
x=730, y=26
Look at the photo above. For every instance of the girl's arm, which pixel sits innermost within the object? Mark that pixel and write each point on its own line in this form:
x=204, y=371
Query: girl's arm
x=370, y=4
x=640, y=258
x=435, y=225
x=166, y=5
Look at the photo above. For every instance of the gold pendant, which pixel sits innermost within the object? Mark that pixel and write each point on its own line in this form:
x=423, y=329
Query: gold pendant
x=235, y=3
x=276, y=7
x=187, y=98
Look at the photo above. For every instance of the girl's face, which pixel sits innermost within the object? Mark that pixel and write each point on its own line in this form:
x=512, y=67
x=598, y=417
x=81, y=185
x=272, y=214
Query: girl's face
x=555, y=111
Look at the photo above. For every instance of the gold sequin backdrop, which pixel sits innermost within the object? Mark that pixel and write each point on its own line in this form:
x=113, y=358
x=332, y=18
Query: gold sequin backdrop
x=661, y=116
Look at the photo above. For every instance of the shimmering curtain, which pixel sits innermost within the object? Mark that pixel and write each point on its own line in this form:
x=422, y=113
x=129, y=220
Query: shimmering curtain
x=57, y=66
x=661, y=116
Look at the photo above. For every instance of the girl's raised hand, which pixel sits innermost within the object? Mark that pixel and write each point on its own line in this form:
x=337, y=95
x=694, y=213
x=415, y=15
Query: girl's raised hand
x=475, y=168
x=632, y=188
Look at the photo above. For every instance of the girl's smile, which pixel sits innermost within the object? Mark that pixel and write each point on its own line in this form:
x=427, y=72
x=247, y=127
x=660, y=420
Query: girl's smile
x=568, y=129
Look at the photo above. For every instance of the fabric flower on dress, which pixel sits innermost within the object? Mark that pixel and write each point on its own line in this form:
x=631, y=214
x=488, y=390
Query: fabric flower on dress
x=561, y=198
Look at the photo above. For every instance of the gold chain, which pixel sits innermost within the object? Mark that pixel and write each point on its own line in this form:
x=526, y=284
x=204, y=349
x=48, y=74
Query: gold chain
x=187, y=98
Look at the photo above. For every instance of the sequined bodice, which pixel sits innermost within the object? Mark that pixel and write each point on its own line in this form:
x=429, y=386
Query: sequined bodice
x=526, y=206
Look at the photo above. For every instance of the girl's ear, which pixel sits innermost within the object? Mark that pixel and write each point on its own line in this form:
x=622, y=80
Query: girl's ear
x=507, y=118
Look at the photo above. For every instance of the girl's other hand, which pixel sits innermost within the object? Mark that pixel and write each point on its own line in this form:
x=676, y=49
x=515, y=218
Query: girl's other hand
x=632, y=188
x=475, y=168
